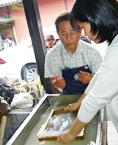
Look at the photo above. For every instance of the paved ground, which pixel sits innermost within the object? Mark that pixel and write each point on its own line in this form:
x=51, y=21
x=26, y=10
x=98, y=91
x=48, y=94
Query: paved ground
x=112, y=134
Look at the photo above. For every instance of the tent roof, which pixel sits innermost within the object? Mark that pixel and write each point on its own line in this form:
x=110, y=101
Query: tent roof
x=4, y=3
x=6, y=19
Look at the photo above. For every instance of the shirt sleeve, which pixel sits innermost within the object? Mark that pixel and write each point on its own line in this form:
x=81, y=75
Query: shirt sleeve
x=52, y=66
x=95, y=61
x=104, y=89
x=92, y=82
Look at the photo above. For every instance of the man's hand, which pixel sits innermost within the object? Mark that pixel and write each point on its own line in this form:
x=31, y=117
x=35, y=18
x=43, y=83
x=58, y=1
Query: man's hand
x=84, y=77
x=58, y=81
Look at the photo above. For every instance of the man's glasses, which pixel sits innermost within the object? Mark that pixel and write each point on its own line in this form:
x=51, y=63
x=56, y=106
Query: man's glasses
x=50, y=39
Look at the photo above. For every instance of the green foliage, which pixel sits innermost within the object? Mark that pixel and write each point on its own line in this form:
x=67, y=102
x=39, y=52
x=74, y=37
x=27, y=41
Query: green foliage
x=18, y=6
x=3, y=29
x=6, y=28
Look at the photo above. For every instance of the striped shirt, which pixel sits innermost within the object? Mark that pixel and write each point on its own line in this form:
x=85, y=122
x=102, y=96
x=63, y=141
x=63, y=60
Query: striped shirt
x=58, y=58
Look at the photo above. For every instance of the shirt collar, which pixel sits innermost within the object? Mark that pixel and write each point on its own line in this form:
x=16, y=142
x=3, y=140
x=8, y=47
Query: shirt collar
x=77, y=49
x=115, y=39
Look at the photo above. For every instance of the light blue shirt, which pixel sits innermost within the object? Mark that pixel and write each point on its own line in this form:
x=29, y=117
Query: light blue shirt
x=58, y=58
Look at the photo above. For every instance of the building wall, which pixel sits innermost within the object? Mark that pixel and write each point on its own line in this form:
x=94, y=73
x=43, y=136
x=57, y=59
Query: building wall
x=20, y=23
x=48, y=10
x=5, y=29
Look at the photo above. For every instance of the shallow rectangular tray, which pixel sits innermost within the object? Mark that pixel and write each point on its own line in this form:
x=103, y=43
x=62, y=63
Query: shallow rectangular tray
x=48, y=136
x=26, y=134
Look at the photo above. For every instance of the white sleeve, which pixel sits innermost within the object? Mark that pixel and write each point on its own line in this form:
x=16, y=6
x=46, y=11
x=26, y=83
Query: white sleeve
x=96, y=62
x=92, y=82
x=105, y=88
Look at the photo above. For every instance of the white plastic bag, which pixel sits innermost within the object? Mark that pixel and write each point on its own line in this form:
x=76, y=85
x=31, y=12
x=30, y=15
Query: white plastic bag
x=22, y=101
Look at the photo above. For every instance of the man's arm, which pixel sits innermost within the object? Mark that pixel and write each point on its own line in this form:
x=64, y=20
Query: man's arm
x=94, y=64
x=84, y=77
x=58, y=82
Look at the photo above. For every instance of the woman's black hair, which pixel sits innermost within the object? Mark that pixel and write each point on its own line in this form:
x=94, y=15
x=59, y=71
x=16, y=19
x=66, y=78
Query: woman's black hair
x=101, y=14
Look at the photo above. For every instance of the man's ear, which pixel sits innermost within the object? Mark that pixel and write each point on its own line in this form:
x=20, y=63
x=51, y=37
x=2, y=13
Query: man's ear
x=80, y=31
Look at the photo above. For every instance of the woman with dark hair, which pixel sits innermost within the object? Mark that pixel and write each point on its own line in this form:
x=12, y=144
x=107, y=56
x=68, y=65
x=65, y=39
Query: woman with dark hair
x=99, y=19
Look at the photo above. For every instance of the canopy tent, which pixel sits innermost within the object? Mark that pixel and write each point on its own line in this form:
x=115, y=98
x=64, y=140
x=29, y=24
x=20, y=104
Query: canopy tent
x=4, y=3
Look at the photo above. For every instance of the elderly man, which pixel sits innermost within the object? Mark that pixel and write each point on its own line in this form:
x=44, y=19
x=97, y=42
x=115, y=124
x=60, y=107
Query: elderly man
x=71, y=64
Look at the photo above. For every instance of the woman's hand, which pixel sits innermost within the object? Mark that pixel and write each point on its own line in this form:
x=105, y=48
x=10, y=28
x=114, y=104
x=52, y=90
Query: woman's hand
x=76, y=105
x=66, y=137
x=72, y=107
x=71, y=134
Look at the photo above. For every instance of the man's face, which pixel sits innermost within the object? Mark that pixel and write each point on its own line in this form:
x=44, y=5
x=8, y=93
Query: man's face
x=68, y=36
x=49, y=43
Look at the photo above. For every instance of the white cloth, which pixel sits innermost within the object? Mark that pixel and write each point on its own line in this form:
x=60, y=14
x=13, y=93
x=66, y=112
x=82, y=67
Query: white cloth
x=103, y=88
x=22, y=101
x=54, y=64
